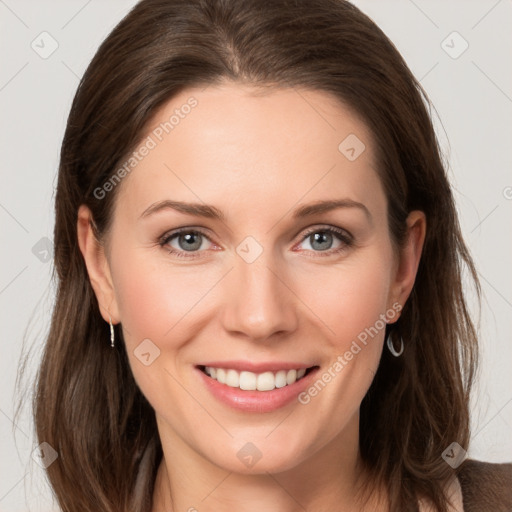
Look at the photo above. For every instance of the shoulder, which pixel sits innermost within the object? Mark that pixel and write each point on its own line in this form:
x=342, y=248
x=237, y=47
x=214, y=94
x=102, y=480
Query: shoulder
x=486, y=486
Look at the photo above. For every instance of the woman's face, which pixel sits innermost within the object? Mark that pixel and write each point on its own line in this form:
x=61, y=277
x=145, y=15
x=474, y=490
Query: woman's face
x=251, y=237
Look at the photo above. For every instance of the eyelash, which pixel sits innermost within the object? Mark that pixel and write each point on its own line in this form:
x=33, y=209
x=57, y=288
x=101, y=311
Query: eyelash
x=341, y=234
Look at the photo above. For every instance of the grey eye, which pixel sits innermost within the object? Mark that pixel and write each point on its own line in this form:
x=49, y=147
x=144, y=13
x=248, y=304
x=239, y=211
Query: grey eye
x=321, y=240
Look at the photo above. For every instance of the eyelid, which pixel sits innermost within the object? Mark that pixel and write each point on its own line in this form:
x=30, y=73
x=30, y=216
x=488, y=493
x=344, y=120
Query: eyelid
x=327, y=228
x=166, y=238
x=187, y=229
x=344, y=236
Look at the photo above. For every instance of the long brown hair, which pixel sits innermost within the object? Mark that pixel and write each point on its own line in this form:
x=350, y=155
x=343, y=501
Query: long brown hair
x=87, y=405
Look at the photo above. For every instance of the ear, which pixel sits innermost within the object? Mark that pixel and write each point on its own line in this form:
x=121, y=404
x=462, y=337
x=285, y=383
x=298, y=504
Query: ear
x=409, y=258
x=97, y=265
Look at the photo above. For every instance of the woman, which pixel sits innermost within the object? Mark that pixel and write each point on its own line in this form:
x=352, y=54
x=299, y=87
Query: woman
x=259, y=262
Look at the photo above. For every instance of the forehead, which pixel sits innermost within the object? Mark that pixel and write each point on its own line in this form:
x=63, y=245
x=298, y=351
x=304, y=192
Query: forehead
x=229, y=144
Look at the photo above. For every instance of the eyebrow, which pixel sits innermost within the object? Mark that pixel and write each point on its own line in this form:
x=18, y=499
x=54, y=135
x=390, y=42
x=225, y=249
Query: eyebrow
x=211, y=212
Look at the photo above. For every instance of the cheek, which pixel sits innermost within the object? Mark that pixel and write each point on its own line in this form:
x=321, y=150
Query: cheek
x=141, y=300
x=155, y=301
x=353, y=304
x=351, y=298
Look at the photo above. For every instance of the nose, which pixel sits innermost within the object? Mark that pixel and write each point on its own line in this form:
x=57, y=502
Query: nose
x=260, y=304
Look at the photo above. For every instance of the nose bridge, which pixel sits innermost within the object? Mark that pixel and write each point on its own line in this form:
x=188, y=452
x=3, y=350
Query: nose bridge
x=259, y=304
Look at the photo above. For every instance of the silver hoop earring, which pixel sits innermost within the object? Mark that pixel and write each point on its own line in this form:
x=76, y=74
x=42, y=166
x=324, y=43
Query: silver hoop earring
x=111, y=332
x=392, y=349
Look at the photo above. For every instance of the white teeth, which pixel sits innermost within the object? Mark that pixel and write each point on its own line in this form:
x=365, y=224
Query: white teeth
x=291, y=376
x=221, y=375
x=249, y=381
x=281, y=379
x=266, y=382
x=232, y=378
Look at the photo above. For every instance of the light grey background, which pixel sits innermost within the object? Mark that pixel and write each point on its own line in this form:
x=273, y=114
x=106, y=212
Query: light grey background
x=473, y=97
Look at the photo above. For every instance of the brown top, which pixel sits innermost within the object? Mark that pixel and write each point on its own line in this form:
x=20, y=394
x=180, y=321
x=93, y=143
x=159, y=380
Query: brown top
x=479, y=487
x=486, y=487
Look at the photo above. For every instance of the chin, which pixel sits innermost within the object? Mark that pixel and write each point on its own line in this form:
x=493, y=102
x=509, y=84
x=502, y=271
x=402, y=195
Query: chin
x=260, y=455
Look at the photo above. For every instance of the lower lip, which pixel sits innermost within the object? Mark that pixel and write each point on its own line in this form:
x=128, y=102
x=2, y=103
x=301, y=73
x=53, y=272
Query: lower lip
x=256, y=401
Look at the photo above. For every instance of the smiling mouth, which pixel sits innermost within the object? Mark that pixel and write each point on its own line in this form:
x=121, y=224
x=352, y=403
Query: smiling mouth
x=250, y=381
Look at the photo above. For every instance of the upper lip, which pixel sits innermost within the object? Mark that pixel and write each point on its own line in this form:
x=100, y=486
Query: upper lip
x=251, y=366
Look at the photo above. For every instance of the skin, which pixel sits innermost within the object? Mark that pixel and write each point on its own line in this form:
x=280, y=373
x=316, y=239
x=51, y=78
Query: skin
x=256, y=157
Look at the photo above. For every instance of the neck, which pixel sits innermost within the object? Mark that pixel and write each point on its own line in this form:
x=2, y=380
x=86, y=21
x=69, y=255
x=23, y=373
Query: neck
x=330, y=479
